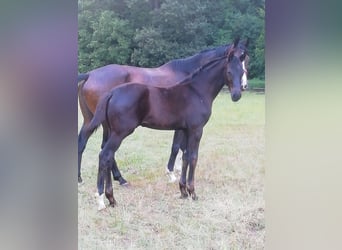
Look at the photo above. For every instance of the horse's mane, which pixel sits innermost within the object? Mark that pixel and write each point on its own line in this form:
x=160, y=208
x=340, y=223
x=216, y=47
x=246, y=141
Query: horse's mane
x=185, y=64
x=220, y=54
x=189, y=78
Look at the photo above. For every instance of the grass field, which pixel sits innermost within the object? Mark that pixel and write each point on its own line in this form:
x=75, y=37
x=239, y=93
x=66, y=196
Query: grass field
x=229, y=182
x=256, y=83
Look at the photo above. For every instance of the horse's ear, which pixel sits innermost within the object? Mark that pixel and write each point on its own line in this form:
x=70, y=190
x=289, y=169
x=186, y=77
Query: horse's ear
x=247, y=42
x=236, y=42
x=230, y=55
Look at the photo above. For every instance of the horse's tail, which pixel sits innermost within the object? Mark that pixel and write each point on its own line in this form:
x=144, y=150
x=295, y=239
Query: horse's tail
x=82, y=78
x=100, y=115
x=87, y=114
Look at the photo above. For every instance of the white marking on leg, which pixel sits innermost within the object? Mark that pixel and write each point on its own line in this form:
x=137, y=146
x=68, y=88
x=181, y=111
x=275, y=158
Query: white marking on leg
x=171, y=175
x=178, y=162
x=101, y=203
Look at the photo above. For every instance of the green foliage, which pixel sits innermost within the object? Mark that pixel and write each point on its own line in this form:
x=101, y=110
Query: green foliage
x=151, y=32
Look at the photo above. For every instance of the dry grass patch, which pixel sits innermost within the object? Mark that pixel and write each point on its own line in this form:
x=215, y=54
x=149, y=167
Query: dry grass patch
x=229, y=182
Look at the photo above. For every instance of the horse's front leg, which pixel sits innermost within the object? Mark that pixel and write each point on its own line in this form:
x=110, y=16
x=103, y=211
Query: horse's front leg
x=192, y=149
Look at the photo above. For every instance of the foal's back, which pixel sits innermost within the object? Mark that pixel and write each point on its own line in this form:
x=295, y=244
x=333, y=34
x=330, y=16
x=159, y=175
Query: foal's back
x=134, y=104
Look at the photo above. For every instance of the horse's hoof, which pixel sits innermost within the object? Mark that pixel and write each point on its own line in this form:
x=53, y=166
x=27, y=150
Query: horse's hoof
x=122, y=181
x=101, y=207
x=171, y=176
x=183, y=196
x=125, y=184
x=80, y=179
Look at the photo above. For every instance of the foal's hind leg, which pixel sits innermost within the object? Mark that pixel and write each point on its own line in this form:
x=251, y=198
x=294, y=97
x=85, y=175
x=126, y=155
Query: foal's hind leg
x=115, y=170
x=106, y=161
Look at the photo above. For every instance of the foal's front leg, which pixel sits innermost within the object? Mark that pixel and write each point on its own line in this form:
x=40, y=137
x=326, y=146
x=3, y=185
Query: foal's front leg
x=182, y=180
x=192, y=149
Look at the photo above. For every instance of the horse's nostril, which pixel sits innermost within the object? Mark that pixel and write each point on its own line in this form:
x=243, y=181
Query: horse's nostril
x=236, y=96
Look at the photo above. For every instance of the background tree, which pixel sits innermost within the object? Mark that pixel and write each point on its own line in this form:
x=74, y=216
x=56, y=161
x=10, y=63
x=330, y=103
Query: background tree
x=151, y=32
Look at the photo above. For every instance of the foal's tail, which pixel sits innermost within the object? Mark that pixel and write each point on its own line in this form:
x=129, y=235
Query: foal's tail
x=100, y=115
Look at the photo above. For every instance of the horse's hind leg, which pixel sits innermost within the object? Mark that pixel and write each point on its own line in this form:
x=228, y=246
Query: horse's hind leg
x=117, y=175
x=176, y=144
x=83, y=137
x=115, y=170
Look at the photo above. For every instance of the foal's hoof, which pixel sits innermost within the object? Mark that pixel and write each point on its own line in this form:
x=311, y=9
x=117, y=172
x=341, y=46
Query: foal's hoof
x=80, y=179
x=182, y=188
x=113, y=204
x=100, y=200
x=192, y=193
x=194, y=197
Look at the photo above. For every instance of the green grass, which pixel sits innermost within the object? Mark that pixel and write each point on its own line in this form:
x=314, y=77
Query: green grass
x=256, y=83
x=229, y=181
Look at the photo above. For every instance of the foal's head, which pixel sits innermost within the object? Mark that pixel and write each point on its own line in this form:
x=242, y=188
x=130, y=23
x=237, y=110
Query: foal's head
x=234, y=71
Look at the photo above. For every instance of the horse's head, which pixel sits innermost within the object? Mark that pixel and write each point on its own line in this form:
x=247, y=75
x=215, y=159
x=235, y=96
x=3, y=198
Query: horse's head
x=242, y=53
x=234, y=70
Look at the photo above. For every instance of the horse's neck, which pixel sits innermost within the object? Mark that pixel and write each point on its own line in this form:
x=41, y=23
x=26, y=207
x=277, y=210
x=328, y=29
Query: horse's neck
x=208, y=84
x=191, y=63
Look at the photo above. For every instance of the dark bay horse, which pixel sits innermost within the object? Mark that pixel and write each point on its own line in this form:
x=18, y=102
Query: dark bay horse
x=101, y=80
x=185, y=106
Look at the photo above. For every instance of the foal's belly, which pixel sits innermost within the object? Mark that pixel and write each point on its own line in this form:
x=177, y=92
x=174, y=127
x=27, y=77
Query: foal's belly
x=163, y=122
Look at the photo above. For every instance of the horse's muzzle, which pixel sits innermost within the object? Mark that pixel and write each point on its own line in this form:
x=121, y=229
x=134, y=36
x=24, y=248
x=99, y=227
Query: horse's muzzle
x=235, y=95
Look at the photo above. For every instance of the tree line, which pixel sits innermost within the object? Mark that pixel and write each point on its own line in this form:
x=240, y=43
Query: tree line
x=149, y=33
